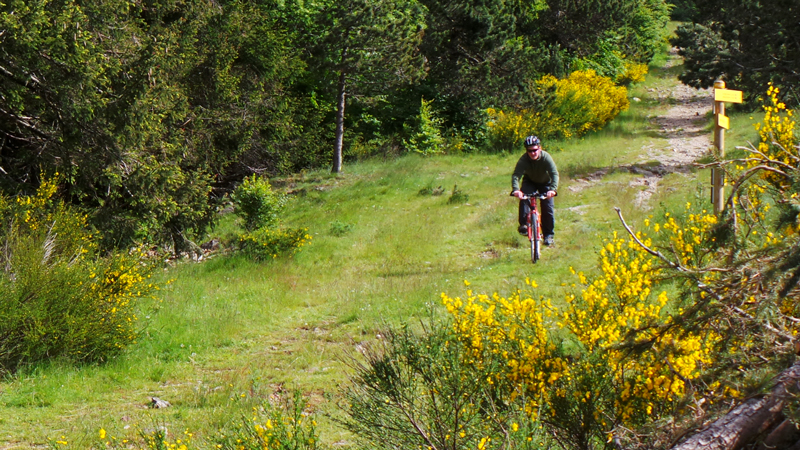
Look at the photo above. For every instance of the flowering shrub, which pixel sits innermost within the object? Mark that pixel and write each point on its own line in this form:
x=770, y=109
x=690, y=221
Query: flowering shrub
x=266, y=243
x=585, y=100
x=60, y=300
x=416, y=390
x=507, y=129
x=257, y=204
x=582, y=102
x=634, y=73
x=577, y=363
x=778, y=141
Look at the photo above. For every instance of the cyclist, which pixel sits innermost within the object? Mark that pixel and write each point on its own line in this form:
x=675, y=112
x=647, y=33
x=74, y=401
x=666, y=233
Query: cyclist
x=536, y=171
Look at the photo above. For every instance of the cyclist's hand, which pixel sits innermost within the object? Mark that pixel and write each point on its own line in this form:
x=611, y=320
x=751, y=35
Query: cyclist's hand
x=518, y=194
x=550, y=194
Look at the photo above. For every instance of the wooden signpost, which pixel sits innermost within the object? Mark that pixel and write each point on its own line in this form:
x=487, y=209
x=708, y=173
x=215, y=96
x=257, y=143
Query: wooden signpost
x=722, y=123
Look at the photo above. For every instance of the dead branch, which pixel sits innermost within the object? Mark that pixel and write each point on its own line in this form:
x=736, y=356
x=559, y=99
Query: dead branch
x=655, y=253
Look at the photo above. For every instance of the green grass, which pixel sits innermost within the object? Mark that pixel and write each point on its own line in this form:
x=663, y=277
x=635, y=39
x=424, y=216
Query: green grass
x=228, y=332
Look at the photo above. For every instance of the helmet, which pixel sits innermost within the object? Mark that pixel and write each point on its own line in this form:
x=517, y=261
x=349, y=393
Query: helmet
x=530, y=141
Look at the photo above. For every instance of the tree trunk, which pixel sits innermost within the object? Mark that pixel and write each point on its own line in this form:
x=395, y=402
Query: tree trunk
x=747, y=421
x=337, y=148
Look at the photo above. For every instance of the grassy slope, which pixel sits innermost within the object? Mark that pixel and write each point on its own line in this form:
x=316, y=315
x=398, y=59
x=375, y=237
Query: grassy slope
x=230, y=332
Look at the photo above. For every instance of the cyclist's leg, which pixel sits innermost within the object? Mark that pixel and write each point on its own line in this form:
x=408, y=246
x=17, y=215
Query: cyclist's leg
x=523, y=212
x=547, y=212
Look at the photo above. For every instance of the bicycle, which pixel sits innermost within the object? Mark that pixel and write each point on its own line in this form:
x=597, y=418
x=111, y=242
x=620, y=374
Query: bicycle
x=534, y=222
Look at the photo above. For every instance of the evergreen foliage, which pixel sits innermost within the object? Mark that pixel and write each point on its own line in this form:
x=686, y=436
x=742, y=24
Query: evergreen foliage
x=152, y=111
x=424, y=134
x=748, y=44
x=257, y=204
x=141, y=108
x=367, y=47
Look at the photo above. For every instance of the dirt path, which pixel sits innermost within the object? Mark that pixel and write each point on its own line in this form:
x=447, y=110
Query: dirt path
x=682, y=126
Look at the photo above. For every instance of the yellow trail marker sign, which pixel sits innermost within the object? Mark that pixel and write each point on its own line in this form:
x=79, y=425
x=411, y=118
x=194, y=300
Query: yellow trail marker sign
x=721, y=96
x=727, y=95
x=724, y=122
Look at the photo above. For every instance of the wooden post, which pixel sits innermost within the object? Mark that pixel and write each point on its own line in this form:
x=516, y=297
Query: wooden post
x=717, y=174
x=721, y=123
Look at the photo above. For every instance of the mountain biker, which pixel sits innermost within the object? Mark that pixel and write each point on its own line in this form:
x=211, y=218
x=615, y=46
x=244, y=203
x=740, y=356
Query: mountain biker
x=537, y=171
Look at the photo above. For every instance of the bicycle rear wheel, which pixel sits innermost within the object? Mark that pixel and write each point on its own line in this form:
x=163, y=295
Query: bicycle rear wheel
x=535, y=236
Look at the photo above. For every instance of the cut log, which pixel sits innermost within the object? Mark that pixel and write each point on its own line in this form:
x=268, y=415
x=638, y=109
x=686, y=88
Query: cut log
x=746, y=422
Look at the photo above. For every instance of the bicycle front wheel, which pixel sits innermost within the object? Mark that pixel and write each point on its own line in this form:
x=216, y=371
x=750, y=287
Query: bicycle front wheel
x=535, y=237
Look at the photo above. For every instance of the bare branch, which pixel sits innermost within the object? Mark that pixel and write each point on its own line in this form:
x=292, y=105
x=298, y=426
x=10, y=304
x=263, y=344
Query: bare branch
x=24, y=123
x=744, y=161
x=16, y=79
x=747, y=175
x=764, y=157
x=655, y=253
x=765, y=324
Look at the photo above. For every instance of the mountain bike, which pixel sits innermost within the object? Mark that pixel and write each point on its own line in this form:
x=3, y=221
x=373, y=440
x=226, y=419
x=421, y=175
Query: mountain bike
x=534, y=222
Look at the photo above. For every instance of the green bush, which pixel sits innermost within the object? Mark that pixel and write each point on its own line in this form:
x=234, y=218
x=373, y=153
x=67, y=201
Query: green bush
x=59, y=299
x=257, y=204
x=418, y=391
x=430, y=190
x=267, y=243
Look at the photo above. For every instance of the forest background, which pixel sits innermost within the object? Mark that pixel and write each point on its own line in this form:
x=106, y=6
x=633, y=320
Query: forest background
x=133, y=124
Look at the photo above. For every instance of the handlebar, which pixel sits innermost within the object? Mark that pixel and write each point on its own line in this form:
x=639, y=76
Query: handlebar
x=534, y=195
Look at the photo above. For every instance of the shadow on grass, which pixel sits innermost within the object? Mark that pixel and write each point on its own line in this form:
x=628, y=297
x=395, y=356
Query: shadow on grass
x=651, y=168
x=667, y=73
x=632, y=125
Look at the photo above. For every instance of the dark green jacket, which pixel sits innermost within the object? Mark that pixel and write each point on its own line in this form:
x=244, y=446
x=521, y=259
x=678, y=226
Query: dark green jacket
x=541, y=171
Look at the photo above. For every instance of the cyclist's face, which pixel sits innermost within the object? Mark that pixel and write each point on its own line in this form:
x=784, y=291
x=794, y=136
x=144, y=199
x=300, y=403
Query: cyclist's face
x=534, y=152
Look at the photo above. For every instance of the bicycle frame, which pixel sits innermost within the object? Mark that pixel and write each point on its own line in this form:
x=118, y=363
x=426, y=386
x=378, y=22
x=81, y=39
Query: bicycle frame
x=534, y=222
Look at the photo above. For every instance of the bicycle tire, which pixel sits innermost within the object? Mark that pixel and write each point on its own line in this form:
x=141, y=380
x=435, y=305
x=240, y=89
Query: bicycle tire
x=535, y=237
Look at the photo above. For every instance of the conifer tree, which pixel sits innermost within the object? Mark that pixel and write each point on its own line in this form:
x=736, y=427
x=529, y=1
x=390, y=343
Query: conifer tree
x=367, y=47
x=747, y=43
